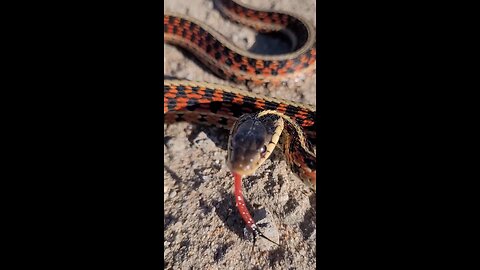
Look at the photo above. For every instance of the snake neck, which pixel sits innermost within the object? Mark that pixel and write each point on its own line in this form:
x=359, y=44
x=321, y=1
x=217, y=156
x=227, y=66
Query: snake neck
x=300, y=154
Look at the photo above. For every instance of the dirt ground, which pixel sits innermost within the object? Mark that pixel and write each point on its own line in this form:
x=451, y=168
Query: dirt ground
x=203, y=229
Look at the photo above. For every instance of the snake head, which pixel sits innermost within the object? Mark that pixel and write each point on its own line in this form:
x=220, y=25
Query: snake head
x=252, y=139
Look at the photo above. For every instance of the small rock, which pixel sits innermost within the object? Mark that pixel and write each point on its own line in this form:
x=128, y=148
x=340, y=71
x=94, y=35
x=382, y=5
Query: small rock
x=209, y=4
x=177, y=144
x=266, y=226
x=283, y=198
x=173, y=194
x=203, y=142
x=244, y=39
x=313, y=236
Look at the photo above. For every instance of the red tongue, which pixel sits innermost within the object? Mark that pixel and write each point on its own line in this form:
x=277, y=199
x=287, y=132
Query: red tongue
x=240, y=202
x=238, y=184
x=242, y=208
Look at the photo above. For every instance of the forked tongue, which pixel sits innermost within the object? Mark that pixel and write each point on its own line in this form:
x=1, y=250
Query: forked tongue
x=242, y=208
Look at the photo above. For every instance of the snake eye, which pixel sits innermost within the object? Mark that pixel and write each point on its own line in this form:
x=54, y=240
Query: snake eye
x=263, y=151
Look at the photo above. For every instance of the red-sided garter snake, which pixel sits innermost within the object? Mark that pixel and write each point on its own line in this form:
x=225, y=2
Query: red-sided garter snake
x=260, y=121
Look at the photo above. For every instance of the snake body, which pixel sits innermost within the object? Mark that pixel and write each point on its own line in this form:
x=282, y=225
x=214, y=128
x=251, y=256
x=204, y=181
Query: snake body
x=234, y=64
x=222, y=106
x=257, y=123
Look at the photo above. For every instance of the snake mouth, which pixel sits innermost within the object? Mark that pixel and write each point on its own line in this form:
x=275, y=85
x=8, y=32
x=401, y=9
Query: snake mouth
x=242, y=168
x=243, y=159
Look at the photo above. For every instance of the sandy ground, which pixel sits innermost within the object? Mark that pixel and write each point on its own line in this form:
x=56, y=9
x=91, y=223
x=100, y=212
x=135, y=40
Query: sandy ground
x=203, y=229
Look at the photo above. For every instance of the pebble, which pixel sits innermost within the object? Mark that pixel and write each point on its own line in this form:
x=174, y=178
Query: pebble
x=202, y=141
x=313, y=236
x=209, y=5
x=269, y=229
x=177, y=145
x=283, y=198
x=244, y=39
x=173, y=194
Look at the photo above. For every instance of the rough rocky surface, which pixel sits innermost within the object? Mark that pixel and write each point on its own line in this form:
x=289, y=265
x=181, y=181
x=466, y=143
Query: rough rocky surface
x=203, y=229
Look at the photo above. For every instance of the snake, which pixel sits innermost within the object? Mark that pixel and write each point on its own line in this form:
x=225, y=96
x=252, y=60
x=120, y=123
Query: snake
x=257, y=123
